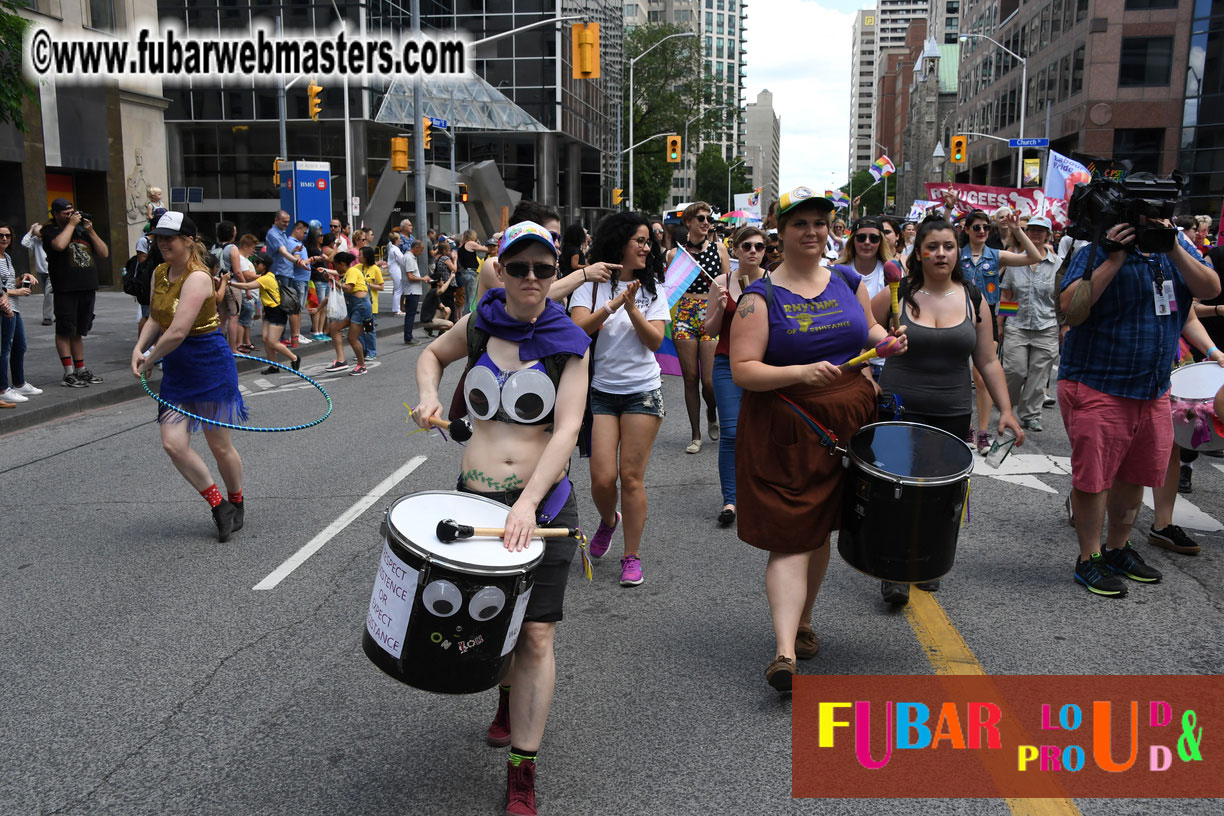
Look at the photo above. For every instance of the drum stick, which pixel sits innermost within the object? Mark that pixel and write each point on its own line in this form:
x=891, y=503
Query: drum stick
x=450, y=530
x=885, y=348
x=893, y=274
x=460, y=429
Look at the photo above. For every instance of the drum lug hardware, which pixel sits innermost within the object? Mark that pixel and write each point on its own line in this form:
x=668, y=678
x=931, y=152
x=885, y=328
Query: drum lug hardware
x=896, y=491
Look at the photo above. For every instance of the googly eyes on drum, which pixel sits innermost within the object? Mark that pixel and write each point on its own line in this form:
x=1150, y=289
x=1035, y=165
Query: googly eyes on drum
x=524, y=396
x=443, y=599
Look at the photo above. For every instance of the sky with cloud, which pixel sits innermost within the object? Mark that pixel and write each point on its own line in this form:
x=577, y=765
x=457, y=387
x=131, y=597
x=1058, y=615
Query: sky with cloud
x=800, y=51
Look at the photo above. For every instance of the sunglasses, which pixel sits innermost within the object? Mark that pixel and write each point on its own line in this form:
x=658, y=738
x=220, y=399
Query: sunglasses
x=748, y=246
x=864, y=238
x=772, y=248
x=703, y=218
x=556, y=236
x=980, y=228
x=6, y=235
x=521, y=269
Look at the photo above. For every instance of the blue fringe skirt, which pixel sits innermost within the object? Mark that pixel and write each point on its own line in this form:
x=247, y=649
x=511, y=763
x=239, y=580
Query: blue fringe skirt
x=200, y=376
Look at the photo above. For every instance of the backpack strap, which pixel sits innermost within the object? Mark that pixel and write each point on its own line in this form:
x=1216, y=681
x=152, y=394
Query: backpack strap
x=975, y=296
x=477, y=341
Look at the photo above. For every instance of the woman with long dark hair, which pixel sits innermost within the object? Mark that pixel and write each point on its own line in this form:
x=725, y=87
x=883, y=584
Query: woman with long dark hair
x=694, y=347
x=626, y=315
x=947, y=323
x=573, y=254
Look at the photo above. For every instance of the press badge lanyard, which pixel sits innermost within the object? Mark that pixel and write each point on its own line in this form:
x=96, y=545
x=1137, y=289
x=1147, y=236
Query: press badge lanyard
x=1162, y=290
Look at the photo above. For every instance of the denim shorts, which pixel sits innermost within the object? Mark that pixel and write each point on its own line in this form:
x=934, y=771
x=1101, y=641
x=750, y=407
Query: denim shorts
x=247, y=313
x=359, y=309
x=322, y=290
x=643, y=402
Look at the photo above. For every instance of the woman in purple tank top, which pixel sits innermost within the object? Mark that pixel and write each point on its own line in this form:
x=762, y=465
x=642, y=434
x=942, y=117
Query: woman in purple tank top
x=791, y=332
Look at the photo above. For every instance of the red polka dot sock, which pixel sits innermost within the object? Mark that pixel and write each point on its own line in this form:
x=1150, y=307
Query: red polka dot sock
x=235, y=498
x=212, y=495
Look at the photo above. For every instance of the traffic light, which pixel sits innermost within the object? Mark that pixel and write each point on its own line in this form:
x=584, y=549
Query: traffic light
x=314, y=102
x=673, y=148
x=463, y=193
x=960, y=152
x=399, y=153
x=426, y=131
x=276, y=173
x=585, y=40
x=618, y=195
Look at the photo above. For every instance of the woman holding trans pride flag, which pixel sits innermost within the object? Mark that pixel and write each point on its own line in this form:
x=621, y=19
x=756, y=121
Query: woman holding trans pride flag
x=694, y=347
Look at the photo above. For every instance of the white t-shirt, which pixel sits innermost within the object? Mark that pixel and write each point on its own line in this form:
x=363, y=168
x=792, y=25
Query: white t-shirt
x=623, y=364
x=875, y=280
x=342, y=243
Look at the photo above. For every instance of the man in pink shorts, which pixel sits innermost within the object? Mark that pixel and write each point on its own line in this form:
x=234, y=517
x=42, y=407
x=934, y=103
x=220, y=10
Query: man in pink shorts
x=1113, y=391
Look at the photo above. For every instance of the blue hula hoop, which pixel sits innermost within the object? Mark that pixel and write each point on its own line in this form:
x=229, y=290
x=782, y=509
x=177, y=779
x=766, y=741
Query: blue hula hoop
x=231, y=426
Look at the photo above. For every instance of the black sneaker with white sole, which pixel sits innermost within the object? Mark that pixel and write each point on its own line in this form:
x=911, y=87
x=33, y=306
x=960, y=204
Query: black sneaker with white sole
x=71, y=381
x=86, y=376
x=1173, y=538
x=1095, y=575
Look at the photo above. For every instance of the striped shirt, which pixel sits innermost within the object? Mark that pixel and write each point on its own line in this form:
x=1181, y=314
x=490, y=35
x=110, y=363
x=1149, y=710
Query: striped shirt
x=1124, y=348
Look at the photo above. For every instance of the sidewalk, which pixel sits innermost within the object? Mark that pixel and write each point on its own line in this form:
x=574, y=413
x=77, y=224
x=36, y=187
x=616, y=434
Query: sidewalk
x=108, y=352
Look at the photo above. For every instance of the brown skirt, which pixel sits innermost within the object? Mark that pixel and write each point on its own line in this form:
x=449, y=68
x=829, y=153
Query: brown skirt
x=789, y=486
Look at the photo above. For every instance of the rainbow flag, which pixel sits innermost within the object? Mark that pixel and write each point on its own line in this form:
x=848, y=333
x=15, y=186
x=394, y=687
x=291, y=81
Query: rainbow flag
x=838, y=198
x=1009, y=307
x=681, y=273
x=669, y=361
x=882, y=168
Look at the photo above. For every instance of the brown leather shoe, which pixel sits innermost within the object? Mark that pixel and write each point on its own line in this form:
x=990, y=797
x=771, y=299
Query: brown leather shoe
x=4, y=404
x=780, y=673
x=807, y=645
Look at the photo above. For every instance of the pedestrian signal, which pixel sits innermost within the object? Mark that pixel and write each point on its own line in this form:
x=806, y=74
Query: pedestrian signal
x=673, y=148
x=463, y=193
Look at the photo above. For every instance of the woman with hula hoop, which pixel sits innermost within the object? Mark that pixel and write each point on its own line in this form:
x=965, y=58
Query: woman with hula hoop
x=198, y=370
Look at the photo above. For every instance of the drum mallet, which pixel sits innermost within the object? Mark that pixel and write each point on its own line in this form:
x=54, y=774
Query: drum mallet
x=450, y=530
x=460, y=429
x=885, y=348
x=893, y=273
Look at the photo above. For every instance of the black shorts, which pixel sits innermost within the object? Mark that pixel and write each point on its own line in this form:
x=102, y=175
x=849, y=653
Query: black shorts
x=275, y=315
x=74, y=312
x=548, y=593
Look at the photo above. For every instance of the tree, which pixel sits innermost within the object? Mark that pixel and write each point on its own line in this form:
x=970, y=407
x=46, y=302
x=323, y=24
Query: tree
x=711, y=179
x=14, y=89
x=667, y=90
x=872, y=201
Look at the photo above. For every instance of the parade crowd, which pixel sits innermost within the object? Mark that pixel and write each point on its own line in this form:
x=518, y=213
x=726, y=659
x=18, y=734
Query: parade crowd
x=969, y=312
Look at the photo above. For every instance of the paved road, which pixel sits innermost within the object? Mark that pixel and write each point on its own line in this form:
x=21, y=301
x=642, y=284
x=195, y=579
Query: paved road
x=143, y=674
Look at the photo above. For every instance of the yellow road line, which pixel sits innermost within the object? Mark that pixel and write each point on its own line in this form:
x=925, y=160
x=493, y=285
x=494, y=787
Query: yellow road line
x=949, y=654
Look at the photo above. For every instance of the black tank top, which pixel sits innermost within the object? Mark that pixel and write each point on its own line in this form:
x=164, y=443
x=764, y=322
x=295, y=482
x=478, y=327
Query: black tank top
x=467, y=260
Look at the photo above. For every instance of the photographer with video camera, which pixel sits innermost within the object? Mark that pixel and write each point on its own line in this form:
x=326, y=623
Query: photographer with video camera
x=73, y=249
x=1126, y=297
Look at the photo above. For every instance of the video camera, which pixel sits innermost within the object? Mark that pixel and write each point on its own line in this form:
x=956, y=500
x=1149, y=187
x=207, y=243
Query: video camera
x=1099, y=205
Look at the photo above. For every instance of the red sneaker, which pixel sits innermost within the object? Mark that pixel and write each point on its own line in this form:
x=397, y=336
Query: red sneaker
x=499, y=730
x=520, y=789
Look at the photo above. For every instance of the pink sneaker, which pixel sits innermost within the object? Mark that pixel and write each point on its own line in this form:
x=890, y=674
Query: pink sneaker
x=631, y=571
x=603, y=538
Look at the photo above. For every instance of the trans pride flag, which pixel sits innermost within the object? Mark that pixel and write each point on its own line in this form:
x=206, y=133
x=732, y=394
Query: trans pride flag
x=882, y=168
x=681, y=273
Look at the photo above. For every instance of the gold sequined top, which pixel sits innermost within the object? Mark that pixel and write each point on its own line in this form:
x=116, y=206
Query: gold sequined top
x=165, y=299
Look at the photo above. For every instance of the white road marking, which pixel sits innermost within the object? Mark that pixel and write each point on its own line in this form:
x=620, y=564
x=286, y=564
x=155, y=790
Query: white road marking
x=1218, y=467
x=1023, y=468
x=244, y=391
x=1186, y=514
x=1025, y=480
x=345, y=519
x=262, y=383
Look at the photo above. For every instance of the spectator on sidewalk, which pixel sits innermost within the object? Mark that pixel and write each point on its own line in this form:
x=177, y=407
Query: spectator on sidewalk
x=72, y=247
x=12, y=332
x=395, y=270
x=32, y=241
x=413, y=286
x=340, y=230
x=286, y=263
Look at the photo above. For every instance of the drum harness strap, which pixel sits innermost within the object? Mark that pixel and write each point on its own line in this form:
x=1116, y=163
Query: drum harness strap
x=827, y=437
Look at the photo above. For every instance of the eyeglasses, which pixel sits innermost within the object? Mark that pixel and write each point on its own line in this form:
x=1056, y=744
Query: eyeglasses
x=641, y=240
x=748, y=246
x=865, y=238
x=980, y=228
x=521, y=269
x=703, y=218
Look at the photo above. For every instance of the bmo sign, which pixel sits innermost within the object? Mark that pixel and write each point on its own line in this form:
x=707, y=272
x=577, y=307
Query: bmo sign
x=304, y=194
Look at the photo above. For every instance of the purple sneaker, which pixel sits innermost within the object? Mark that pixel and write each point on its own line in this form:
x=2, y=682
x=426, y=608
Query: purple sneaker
x=603, y=538
x=631, y=571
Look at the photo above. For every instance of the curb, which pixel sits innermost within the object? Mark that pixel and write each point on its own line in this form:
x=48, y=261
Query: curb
x=104, y=397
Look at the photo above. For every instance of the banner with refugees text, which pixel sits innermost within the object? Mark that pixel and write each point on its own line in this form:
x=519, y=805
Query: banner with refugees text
x=1028, y=201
